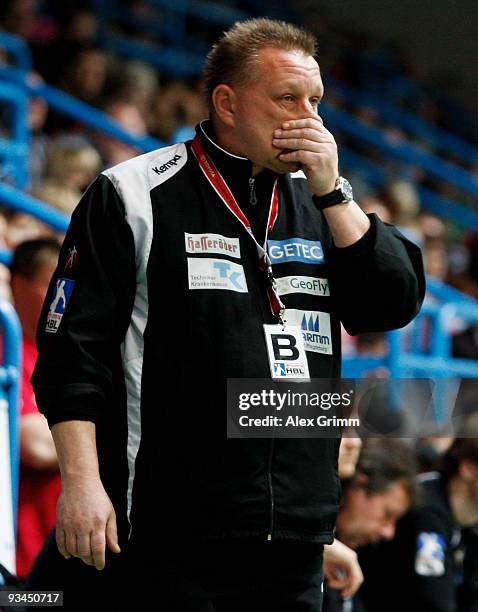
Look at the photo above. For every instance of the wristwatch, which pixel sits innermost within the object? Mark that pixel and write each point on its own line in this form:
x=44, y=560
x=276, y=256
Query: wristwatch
x=341, y=194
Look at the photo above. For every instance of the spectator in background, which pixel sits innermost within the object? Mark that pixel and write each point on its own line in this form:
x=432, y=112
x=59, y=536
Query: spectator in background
x=86, y=74
x=113, y=151
x=341, y=568
x=83, y=73
x=22, y=227
x=176, y=106
x=136, y=83
x=374, y=498
x=379, y=493
x=21, y=17
x=31, y=270
x=373, y=204
x=434, y=554
x=72, y=164
x=404, y=203
x=39, y=140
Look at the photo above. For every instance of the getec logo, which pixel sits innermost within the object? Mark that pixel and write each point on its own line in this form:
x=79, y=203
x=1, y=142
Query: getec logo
x=296, y=249
x=166, y=166
x=315, y=328
x=208, y=273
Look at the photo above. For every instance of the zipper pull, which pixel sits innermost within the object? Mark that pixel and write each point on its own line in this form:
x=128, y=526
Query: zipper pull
x=252, y=192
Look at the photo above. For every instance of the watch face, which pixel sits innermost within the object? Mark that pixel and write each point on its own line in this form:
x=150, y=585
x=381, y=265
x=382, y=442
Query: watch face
x=346, y=189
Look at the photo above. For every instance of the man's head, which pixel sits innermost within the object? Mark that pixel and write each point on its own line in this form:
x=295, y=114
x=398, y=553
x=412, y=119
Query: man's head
x=258, y=75
x=460, y=467
x=380, y=492
x=31, y=269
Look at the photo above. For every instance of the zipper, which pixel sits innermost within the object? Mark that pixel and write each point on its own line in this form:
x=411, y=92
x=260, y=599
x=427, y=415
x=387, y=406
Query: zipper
x=270, y=491
x=252, y=192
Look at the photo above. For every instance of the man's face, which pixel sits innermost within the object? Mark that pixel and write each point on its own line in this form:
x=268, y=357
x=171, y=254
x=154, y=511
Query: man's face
x=365, y=518
x=286, y=85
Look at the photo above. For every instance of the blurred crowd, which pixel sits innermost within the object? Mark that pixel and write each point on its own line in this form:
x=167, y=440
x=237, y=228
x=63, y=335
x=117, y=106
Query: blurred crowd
x=64, y=38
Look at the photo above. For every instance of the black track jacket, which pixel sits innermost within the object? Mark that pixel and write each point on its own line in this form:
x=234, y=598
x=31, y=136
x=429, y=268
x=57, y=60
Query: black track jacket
x=158, y=299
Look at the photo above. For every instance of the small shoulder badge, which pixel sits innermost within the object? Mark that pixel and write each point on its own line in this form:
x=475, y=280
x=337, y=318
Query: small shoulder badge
x=430, y=557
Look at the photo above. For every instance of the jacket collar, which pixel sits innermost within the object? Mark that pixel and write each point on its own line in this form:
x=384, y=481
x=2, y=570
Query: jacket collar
x=228, y=164
x=236, y=170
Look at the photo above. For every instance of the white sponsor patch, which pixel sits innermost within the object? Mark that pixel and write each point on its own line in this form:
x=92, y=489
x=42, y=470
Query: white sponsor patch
x=315, y=328
x=286, y=351
x=430, y=557
x=212, y=243
x=303, y=284
x=208, y=273
x=63, y=289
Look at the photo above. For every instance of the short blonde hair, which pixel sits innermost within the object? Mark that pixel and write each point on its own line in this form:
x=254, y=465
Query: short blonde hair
x=231, y=58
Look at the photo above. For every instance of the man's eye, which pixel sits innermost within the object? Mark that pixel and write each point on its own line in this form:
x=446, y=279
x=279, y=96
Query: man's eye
x=288, y=98
x=315, y=102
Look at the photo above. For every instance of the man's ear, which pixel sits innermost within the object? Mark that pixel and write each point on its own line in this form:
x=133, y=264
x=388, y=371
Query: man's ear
x=224, y=102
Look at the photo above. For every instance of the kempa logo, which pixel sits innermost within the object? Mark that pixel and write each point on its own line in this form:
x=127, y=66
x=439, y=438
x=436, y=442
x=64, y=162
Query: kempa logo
x=315, y=328
x=169, y=164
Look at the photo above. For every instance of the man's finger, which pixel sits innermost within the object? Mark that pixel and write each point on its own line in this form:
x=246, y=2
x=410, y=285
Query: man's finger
x=98, y=545
x=112, y=535
x=70, y=540
x=309, y=122
x=306, y=133
x=60, y=538
x=83, y=546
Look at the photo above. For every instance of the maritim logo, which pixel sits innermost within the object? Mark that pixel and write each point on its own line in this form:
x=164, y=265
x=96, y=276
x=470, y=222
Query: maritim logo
x=166, y=166
x=315, y=328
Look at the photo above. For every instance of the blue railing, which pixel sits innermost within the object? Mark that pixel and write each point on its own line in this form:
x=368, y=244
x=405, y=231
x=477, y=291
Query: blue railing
x=14, y=198
x=424, y=347
x=172, y=61
x=17, y=48
x=9, y=385
x=407, y=121
x=14, y=150
x=376, y=176
x=401, y=149
x=72, y=107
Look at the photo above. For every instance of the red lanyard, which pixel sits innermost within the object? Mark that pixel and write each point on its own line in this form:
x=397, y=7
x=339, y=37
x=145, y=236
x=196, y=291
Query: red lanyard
x=221, y=188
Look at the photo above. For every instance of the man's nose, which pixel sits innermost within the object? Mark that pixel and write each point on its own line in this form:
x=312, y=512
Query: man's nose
x=307, y=108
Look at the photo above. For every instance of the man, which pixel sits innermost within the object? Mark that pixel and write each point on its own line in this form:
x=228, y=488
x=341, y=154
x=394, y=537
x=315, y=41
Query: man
x=434, y=555
x=341, y=568
x=168, y=299
x=374, y=498
x=32, y=267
